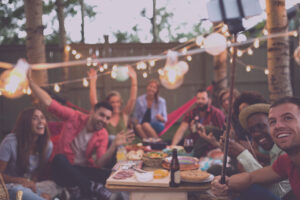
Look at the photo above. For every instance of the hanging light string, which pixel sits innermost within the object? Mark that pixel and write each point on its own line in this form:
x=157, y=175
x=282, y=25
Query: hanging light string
x=182, y=51
x=43, y=66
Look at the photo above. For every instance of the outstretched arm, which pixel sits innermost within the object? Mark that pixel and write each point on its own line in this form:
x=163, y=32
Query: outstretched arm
x=123, y=138
x=179, y=133
x=133, y=91
x=41, y=94
x=93, y=86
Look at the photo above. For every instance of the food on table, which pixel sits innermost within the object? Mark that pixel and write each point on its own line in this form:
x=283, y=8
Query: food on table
x=123, y=174
x=160, y=173
x=144, y=177
x=135, y=155
x=216, y=154
x=194, y=175
x=135, y=147
x=185, y=162
x=154, y=159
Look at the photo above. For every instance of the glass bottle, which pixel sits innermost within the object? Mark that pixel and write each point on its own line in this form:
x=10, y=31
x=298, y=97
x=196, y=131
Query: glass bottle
x=175, y=170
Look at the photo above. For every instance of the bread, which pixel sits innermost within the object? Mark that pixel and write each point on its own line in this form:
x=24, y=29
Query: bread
x=194, y=175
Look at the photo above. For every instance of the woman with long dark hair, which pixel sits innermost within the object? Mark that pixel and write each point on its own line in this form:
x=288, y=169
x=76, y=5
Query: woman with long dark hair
x=151, y=111
x=24, y=155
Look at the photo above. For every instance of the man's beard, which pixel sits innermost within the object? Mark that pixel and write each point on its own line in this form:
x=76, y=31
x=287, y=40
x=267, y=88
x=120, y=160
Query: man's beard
x=202, y=107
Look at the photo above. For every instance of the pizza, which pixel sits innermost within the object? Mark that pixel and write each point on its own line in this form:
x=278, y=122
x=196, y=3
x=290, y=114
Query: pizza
x=135, y=155
x=194, y=175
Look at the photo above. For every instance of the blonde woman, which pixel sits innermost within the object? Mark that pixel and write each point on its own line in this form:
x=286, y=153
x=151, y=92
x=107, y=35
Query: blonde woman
x=120, y=116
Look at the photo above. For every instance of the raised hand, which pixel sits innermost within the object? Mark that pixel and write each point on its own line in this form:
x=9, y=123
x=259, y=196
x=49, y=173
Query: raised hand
x=131, y=72
x=92, y=73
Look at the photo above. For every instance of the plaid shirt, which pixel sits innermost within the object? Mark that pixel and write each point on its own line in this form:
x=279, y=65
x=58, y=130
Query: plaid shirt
x=213, y=116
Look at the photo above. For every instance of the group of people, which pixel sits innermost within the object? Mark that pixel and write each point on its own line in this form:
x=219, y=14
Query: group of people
x=264, y=141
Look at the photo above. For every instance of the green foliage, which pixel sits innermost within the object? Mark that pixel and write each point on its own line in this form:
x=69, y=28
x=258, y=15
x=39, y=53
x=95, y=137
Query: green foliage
x=12, y=19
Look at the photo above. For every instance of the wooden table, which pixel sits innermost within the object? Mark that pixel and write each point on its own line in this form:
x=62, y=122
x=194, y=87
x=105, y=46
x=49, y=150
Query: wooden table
x=160, y=193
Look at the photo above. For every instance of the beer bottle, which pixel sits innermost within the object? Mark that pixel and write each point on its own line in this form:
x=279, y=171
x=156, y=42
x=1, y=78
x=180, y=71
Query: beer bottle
x=175, y=170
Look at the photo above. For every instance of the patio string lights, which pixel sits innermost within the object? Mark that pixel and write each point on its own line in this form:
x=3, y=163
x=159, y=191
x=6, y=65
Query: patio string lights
x=143, y=63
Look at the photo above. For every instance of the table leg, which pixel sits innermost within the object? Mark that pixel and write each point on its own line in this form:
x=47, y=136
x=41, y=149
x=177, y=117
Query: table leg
x=158, y=195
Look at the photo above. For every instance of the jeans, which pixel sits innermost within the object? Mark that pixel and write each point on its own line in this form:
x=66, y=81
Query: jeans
x=158, y=127
x=28, y=194
x=257, y=192
x=68, y=175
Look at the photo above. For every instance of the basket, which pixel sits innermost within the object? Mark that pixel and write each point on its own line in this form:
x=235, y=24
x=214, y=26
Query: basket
x=3, y=190
x=153, y=162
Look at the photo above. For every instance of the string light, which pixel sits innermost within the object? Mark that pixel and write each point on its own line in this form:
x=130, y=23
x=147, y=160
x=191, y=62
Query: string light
x=184, y=50
x=114, y=67
x=28, y=92
x=239, y=53
x=74, y=52
x=295, y=33
x=231, y=60
x=113, y=74
x=0, y=93
x=224, y=28
x=160, y=71
x=266, y=71
x=145, y=75
x=95, y=63
x=248, y=68
x=199, y=40
x=256, y=43
x=68, y=48
x=56, y=88
x=141, y=66
x=101, y=69
x=189, y=58
x=85, y=82
x=152, y=63
x=77, y=56
x=105, y=66
x=265, y=31
x=250, y=51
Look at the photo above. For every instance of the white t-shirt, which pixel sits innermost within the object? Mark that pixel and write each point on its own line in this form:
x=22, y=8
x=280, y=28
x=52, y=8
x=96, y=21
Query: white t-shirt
x=79, y=145
x=8, y=153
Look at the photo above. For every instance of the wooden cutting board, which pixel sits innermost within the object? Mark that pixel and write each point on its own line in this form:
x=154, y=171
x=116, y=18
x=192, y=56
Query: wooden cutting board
x=164, y=182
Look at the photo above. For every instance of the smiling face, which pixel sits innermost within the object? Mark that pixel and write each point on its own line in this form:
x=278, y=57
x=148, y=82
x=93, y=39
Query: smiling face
x=284, y=122
x=38, y=123
x=202, y=100
x=115, y=102
x=152, y=89
x=99, y=118
x=258, y=128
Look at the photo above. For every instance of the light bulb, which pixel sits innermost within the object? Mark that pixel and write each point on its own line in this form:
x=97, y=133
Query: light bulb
x=184, y=50
x=121, y=73
x=85, y=82
x=141, y=66
x=77, y=56
x=74, y=52
x=152, y=63
x=105, y=66
x=248, y=68
x=250, y=51
x=101, y=69
x=145, y=75
x=199, y=40
x=68, y=48
x=56, y=88
x=239, y=53
x=172, y=75
x=215, y=44
x=256, y=43
x=189, y=58
x=266, y=71
x=13, y=81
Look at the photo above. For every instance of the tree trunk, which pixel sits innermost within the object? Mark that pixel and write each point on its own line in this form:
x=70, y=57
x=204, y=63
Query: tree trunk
x=220, y=75
x=35, y=46
x=62, y=35
x=153, y=21
x=278, y=51
x=82, y=20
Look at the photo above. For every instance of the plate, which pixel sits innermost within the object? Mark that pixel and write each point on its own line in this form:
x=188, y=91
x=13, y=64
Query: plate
x=183, y=160
x=209, y=179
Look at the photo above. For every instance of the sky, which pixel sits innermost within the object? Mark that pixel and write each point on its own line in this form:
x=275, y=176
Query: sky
x=120, y=15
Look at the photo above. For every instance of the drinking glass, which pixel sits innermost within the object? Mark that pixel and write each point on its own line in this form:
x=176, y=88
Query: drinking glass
x=188, y=145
